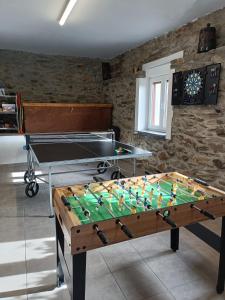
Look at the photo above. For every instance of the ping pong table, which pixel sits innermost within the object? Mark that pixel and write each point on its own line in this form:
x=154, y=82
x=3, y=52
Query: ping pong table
x=57, y=150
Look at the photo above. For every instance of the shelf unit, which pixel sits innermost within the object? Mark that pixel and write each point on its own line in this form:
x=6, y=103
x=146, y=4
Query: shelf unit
x=10, y=120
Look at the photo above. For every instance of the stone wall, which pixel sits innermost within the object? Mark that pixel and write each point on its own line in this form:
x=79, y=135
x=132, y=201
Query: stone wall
x=197, y=146
x=51, y=78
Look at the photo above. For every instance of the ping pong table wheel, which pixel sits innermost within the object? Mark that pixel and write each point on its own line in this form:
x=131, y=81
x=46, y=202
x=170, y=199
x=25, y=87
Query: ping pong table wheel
x=117, y=175
x=28, y=176
x=32, y=189
x=102, y=167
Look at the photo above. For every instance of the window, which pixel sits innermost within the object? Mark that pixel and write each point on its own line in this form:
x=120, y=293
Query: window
x=158, y=103
x=153, y=98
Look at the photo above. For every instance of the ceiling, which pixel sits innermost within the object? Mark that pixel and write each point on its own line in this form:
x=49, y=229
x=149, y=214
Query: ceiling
x=95, y=28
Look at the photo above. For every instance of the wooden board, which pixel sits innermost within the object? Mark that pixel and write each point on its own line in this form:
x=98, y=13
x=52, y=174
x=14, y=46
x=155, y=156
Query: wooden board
x=66, y=117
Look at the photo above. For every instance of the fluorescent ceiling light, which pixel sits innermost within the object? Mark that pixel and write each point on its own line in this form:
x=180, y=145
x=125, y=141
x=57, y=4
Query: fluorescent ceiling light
x=67, y=11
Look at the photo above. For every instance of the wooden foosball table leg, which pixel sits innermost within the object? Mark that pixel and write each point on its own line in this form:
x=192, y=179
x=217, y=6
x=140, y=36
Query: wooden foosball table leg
x=174, y=239
x=221, y=272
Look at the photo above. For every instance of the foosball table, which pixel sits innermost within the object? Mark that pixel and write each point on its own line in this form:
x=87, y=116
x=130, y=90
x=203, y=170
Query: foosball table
x=107, y=212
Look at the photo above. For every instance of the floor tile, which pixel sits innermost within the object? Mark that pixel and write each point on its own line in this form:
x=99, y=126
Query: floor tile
x=138, y=282
x=12, y=149
x=104, y=288
x=41, y=281
x=11, y=211
x=40, y=254
x=56, y=294
x=163, y=296
x=203, y=261
x=11, y=229
x=151, y=246
x=96, y=265
x=171, y=270
x=120, y=256
x=197, y=290
x=39, y=227
x=23, y=297
x=38, y=205
x=12, y=258
x=17, y=288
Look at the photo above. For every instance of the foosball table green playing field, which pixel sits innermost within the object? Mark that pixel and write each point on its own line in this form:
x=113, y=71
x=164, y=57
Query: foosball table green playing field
x=106, y=212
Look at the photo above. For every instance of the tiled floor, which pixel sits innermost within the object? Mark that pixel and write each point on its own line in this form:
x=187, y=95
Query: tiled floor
x=141, y=269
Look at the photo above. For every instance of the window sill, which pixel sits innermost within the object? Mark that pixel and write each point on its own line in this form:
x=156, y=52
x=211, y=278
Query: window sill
x=158, y=135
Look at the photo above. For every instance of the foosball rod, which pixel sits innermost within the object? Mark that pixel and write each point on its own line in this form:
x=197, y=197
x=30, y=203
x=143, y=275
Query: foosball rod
x=123, y=227
x=204, y=212
x=132, y=193
x=166, y=219
x=183, y=192
x=114, y=194
x=87, y=213
x=183, y=184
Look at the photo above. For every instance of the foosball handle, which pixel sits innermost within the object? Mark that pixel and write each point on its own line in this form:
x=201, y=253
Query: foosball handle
x=98, y=179
x=170, y=222
x=207, y=214
x=126, y=231
x=65, y=202
x=102, y=237
x=198, y=180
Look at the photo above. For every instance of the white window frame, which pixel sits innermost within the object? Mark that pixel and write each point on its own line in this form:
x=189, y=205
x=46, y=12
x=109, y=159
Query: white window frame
x=153, y=70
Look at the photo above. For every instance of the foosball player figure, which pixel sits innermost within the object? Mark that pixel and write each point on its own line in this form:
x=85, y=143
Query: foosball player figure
x=123, y=186
x=121, y=202
x=110, y=192
x=189, y=183
x=130, y=192
x=110, y=197
x=172, y=193
x=174, y=199
x=160, y=199
x=151, y=193
x=146, y=204
x=201, y=197
x=158, y=186
x=100, y=202
x=85, y=191
x=133, y=210
x=137, y=198
x=170, y=202
x=194, y=188
x=144, y=178
x=143, y=188
x=174, y=187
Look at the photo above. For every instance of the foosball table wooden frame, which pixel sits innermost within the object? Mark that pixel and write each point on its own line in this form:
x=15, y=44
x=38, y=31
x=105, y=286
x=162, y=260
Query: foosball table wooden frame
x=74, y=239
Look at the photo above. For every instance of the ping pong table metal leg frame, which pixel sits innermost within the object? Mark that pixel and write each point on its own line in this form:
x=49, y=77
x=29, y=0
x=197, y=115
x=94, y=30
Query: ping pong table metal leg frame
x=30, y=177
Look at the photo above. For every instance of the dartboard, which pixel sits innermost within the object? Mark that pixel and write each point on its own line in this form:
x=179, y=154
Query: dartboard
x=193, y=83
x=197, y=86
